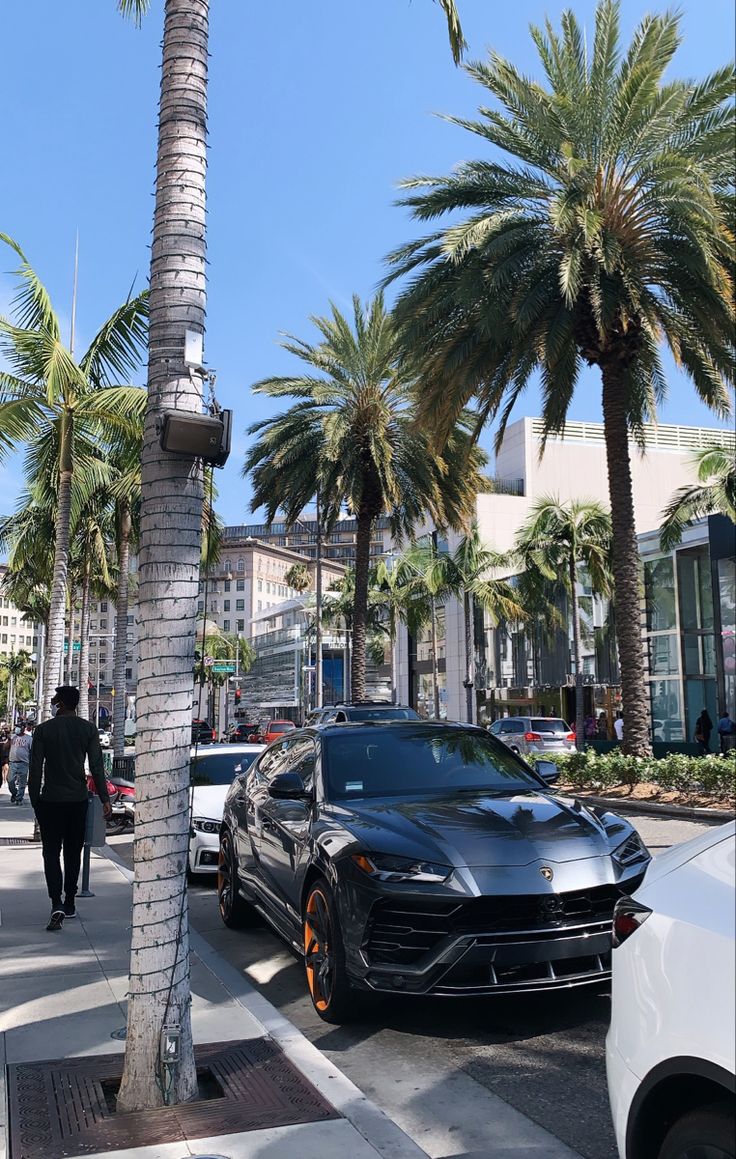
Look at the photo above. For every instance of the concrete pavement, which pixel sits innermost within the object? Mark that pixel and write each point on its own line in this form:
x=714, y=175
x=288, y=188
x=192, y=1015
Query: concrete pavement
x=63, y=995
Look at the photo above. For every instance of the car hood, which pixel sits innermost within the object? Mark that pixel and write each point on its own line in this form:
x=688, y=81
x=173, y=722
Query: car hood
x=479, y=830
x=208, y=801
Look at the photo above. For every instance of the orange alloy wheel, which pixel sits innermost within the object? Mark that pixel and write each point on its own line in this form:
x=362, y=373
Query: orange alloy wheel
x=317, y=955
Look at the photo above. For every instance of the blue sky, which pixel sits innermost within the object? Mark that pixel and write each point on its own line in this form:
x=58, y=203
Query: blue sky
x=316, y=111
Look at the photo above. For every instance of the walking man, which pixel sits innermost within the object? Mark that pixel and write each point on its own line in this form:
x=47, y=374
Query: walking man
x=20, y=752
x=58, y=791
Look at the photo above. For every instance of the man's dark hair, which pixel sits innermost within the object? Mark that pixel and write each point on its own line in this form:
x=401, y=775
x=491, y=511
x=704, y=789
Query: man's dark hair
x=67, y=695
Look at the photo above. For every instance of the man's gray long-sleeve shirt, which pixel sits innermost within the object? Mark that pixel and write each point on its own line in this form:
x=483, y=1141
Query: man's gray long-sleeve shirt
x=59, y=748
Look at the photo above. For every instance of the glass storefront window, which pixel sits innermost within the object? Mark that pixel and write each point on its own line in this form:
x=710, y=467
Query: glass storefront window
x=667, y=719
x=663, y=657
x=700, y=694
x=425, y=695
x=727, y=600
x=659, y=587
x=696, y=594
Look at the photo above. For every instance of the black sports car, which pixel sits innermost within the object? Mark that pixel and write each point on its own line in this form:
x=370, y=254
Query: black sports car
x=419, y=858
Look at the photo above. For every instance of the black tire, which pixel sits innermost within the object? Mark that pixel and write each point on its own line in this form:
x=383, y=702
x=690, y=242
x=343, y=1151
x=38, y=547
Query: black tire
x=234, y=909
x=706, y=1133
x=333, y=997
x=114, y=826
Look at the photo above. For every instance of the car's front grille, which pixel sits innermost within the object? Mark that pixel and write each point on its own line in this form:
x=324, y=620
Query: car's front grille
x=400, y=933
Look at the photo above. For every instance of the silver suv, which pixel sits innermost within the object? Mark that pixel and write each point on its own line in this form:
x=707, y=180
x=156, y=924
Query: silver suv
x=534, y=734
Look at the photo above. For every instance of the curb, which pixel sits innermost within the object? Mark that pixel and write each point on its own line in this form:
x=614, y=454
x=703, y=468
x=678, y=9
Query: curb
x=381, y=1132
x=684, y=812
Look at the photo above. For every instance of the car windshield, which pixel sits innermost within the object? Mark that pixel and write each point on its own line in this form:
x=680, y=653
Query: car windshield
x=411, y=759
x=281, y=726
x=381, y=713
x=220, y=768
x=545, y=725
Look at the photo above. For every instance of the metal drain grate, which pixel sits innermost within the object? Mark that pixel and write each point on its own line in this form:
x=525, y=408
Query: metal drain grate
x=59, y=1108
x=17, y=841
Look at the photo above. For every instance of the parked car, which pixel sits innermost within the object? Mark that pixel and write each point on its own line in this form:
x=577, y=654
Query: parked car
x=245, y=733
x=670, y=1049
x=361, y=710
x=212, y=773
x=534, y=734
x=203, y=732
x=275, y=729
x=419, y=858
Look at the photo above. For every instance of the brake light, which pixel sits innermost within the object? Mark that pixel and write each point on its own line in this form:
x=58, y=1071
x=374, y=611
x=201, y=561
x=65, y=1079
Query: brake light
x=214, y=734
x=628, y=916
x=532, y=736
x=570, y=736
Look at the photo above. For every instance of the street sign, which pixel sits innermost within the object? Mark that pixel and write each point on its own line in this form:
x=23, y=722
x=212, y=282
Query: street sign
x=208, y=661
x=76, y=646
x=221, y=666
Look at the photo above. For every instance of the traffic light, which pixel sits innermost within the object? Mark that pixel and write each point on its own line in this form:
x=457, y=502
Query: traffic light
x=237, y=696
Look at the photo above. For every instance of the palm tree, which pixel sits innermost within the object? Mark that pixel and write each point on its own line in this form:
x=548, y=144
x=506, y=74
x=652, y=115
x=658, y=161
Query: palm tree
x=297, y=577
x=606, y=229
x=50, y=399
x=169, y=562
x=554, y=543
x=352, y=436
x=17, y=674
x=714, y=493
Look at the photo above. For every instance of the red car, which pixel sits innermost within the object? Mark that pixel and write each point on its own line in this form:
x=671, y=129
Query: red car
x=275, y=729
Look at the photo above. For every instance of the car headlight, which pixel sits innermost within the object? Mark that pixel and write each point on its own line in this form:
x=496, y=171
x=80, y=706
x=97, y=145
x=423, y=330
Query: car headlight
x=384, y=867
x=630, y=851
x=204, y=825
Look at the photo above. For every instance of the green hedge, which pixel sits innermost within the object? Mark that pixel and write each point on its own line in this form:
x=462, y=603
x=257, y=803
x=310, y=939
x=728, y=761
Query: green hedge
x=713, y=775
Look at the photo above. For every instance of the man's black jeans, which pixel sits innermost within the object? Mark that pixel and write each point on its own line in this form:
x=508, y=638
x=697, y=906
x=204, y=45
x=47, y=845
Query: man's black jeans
x=62, y=825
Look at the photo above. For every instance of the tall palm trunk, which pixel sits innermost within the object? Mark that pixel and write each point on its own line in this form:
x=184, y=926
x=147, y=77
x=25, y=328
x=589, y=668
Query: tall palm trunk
x=57, y=609
x=84, y=644
x=469, y=680
x=170, y=541
x=579, y=711
x=360, y=605
x=124, y=528
x=69, y=634
x=625, y=566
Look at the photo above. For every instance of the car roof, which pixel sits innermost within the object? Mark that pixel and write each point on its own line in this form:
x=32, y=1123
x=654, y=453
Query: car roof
x=367, y=726
x=207, y=749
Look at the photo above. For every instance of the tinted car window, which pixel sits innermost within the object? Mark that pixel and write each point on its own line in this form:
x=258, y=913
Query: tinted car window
x=300, y=757
x=513, y=726
x=413, y=759
x=277, y=728
x=219, y=768
x=380, y=713
x=544, y=725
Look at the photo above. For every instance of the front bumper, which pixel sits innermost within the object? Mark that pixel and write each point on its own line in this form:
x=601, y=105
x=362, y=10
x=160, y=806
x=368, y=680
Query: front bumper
x=487, y=945
x=204, y=850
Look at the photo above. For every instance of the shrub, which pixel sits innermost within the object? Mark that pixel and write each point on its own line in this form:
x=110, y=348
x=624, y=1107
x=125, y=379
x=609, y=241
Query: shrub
x=711, y=775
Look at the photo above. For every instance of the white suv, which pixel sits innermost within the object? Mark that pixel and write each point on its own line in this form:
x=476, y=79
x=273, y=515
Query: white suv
x=671, y=1046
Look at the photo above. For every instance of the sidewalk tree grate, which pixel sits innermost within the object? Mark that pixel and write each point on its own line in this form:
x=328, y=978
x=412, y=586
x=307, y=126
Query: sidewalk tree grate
x=62, y=1107
x=17, y=841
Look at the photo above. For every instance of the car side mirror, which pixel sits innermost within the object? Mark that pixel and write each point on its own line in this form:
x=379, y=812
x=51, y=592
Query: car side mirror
x=288, y=787
x=547, y=770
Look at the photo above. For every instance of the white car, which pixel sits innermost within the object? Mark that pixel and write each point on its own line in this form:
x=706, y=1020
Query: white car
x=670, y=1048
x=213, y=770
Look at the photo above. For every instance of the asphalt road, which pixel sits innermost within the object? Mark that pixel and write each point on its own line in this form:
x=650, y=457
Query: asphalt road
x=453, y=1072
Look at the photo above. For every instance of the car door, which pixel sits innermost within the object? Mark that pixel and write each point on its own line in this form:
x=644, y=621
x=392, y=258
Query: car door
x=284, y=829
x=244, y=802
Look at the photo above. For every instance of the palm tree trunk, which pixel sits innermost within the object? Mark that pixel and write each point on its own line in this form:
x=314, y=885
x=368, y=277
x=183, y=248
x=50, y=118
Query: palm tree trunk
x=57, y=609
x=360, y=604
x=170, y=543
x=69, y=634
x=84, y=645
x=579, y=711
x=121, y=629
x=625, y=566
x=469, y=680
x=435, y=662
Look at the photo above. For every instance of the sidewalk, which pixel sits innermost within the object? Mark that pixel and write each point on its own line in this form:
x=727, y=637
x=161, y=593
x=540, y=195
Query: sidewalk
x=63, y=995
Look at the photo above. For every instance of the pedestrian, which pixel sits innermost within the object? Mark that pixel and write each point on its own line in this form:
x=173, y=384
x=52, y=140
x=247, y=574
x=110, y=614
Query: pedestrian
x=20, y=752
x=590, y=727
x=58, y=791
x=618, y=727
x=4, y=755
x=602, y=727
x=726, y=731
x=703, y=729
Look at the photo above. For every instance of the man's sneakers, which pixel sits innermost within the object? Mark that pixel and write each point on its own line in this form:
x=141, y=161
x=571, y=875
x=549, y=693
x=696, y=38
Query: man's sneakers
x=69, y=908
x=56, y=921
